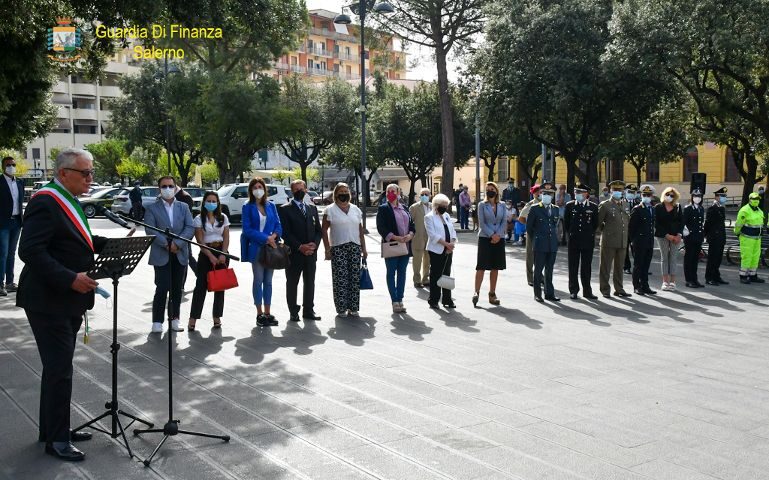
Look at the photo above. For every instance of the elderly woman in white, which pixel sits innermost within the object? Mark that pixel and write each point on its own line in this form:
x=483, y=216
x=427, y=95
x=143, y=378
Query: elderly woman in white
x=441, y=240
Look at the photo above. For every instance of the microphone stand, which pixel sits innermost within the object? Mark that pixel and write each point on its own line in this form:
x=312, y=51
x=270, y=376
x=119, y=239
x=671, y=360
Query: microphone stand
x=171, y=428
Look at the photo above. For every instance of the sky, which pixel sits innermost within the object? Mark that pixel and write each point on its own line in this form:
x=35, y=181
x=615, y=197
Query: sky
x=420, y=64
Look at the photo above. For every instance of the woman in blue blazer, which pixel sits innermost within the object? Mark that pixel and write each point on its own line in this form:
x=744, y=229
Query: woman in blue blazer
x=261, y=229
x=394, y=224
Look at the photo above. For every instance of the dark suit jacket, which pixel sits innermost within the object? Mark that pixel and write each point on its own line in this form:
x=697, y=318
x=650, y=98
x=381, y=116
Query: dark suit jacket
x=694, y=217
x=641, y=227
x=6, y=200
x=386, y=224
x=299, y=228
x=715, y=231
x=580, y=222
x=542, y=228
x=53, y=252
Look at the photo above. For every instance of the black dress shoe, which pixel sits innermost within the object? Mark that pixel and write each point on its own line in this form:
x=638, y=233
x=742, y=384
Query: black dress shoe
x=722, y=282
x=294, y=317
x=622, y=294
x=712, y=283
x=311, y=316
x=649, y=291
x=531, y=284
x=639, y=292
x=434, y=306
x=538, y=298
x=590, y=296
x=449, y=305
x=606, y=295
x=553, y=299
x=80, y=436
x=67, y=453
x=691, y=285
x=699, y=285
x=573, y=296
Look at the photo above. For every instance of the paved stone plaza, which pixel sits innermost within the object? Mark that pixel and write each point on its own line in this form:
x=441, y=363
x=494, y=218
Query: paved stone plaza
x=668, y=387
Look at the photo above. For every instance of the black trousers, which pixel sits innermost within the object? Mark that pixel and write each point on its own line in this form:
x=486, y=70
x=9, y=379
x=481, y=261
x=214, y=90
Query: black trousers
x=691, y=259
x=642, y=260
x=163, y=290
x=715, y=255
x=304, y=267
x=627, y=257
x=55, y=336
x=544, y=260
x=440, y=264
x=201, y=288
x=580, y=265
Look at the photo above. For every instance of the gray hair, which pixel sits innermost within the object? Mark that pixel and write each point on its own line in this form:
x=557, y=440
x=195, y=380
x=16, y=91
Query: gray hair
x=67, y=158
x=439, y=200
x=424, y=190
x=395, y=186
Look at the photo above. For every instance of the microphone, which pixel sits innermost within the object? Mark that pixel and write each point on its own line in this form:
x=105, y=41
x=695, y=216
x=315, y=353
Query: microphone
x=112, y=217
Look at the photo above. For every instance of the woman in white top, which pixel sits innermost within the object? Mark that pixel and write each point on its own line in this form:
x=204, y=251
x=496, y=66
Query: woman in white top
x=345, y=243
x=212, y=228
x=441, y=240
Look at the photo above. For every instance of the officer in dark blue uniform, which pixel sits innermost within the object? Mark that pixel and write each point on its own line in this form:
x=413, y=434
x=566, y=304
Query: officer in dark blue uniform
x=715, y=232
x=633, y=198
x=694, y=235
x=580, y=219
x=641, y=234
x=542, y=229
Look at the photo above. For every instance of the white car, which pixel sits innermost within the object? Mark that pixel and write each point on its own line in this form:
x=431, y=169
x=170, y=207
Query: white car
x=234, y=195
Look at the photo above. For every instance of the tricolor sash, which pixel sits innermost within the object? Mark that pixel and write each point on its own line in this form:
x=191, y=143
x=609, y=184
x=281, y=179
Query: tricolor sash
x=71, y=208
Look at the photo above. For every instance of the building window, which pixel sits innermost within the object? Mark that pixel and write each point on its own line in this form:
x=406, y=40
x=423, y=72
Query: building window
x=309, y=64
x=732, y=173
x=36, y=154
x=691, y=161
x=617, y=170
x=653, y=171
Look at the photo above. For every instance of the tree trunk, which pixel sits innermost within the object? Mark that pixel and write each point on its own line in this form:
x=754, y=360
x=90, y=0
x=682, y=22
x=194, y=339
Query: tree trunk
x=638, y=176
x=490, y=165
x=749, y=181
x=447, y=124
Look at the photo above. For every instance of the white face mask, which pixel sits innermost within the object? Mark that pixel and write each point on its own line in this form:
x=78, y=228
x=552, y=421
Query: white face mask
x=10, y=170
x=697, y=200
x=547, y=199
x=669, y=198
x=167, y=193
x=258, y=193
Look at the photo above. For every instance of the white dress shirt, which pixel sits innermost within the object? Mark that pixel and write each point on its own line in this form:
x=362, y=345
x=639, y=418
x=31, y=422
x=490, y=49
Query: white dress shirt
x=14, y=188
x=169, y=210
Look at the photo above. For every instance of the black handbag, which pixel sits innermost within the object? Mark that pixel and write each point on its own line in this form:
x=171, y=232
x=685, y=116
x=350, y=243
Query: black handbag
x=275, y=258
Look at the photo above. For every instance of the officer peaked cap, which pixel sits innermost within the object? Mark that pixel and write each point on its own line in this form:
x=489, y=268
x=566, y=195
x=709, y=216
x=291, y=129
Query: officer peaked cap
x=616, y=183
x=697, y=192
x=580, y=187
x=647, y=189
x=630, y=187
x=721, y=190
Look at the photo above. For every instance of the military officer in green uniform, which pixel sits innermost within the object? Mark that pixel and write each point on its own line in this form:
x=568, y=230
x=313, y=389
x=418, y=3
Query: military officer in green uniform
x=529, y=244
x=715, y=233
x=750, y=220
x=613, y=223
x=542, y=230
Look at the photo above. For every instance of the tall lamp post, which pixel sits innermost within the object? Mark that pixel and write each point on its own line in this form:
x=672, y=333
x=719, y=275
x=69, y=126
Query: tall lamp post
x=361, y=9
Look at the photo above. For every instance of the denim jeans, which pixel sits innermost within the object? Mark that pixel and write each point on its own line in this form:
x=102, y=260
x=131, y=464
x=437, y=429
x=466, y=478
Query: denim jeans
x=262, y=289
x=9, y=238
x=396, y=266
x=464, y=218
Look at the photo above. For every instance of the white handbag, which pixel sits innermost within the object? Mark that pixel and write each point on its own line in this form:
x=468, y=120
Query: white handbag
x=446, y=281
x=394, y=249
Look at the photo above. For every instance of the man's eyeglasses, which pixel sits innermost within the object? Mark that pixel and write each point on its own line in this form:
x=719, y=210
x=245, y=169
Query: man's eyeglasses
x=167, y=187
x=84, y=173
x=11, y=165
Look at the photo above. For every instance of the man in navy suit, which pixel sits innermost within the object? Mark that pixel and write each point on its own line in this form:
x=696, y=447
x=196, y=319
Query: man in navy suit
x=58, y=249
x=169, y=258
x=11, y=198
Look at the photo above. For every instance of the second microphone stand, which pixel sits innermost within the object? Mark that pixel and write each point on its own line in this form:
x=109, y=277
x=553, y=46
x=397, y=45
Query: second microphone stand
x=171, y=428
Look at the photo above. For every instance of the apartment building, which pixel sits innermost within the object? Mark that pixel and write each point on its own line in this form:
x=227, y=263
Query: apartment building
x=332, y=50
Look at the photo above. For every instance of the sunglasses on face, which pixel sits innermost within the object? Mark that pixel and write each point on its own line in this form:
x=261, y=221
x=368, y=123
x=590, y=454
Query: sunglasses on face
x=84, y=173
x=167, y=187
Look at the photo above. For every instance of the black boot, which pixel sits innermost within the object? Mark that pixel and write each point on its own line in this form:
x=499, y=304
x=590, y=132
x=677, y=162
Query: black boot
x=744, y=279
x=755, y=279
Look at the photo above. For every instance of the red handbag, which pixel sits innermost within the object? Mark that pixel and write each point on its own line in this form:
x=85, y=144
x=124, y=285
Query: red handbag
x=221, y=279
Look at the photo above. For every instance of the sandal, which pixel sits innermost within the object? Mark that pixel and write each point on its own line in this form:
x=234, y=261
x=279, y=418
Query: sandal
x=217, y=323
x=475, y=299
x=493, y=298
x=191, y=324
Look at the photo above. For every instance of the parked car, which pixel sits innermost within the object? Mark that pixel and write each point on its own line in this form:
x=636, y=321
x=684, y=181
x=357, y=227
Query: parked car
x=94, y=189
x=232, y=197
x=195, y=191
x=103, y=197
x=122, y=203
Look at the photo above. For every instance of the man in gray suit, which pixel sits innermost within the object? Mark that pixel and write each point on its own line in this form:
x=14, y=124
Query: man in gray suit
x=169, y=213
x=421, y=261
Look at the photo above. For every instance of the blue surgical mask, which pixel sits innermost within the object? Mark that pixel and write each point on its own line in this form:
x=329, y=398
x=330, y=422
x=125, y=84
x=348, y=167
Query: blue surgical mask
x=630, y=196
x=211, y=206
x=425, y=198
x=580, y=197
x=722, y=198
x=616, y=195
x=547, y=199
x=646, y=200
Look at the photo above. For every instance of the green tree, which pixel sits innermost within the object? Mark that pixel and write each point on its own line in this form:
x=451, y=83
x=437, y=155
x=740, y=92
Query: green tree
x=442, y=26
x=320, y=117
x=107, y=156
x=133, y=169
x=144, y=116
x=209, y=172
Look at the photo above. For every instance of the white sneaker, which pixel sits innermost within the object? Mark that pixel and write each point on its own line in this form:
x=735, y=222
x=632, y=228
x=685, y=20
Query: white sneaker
x=175, y=326
x=157, y=327
x=401, y=307
x=672, y=286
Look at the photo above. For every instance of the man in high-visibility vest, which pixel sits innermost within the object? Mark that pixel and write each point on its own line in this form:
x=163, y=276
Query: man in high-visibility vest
x=750, y=219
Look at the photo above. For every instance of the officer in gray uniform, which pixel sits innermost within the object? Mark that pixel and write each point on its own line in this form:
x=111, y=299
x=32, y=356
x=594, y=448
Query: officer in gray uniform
x=580, y=220
x=542, y=230
x=613, y=222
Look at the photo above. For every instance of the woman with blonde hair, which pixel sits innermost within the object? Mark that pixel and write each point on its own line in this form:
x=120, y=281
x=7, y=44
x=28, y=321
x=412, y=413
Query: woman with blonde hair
x=492, y=220
x=669, y=228
x=345, y=243
x=441, y=240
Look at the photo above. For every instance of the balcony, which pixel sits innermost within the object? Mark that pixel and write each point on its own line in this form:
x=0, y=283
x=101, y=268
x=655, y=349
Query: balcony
x=88, y=89
x=347, y=76
x=318, y=72
x=321, y=52
x=84, y=114
x=109, y=91
x=323, y=32
x=348, y=57
x=298, y=69
x=281, y=66
x=60, y=87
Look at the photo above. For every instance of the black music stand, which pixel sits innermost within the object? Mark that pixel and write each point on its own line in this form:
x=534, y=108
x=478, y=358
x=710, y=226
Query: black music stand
x=171, y=428
x=118, y=258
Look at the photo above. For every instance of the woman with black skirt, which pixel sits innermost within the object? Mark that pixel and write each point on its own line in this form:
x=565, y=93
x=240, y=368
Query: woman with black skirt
x=492, y=220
